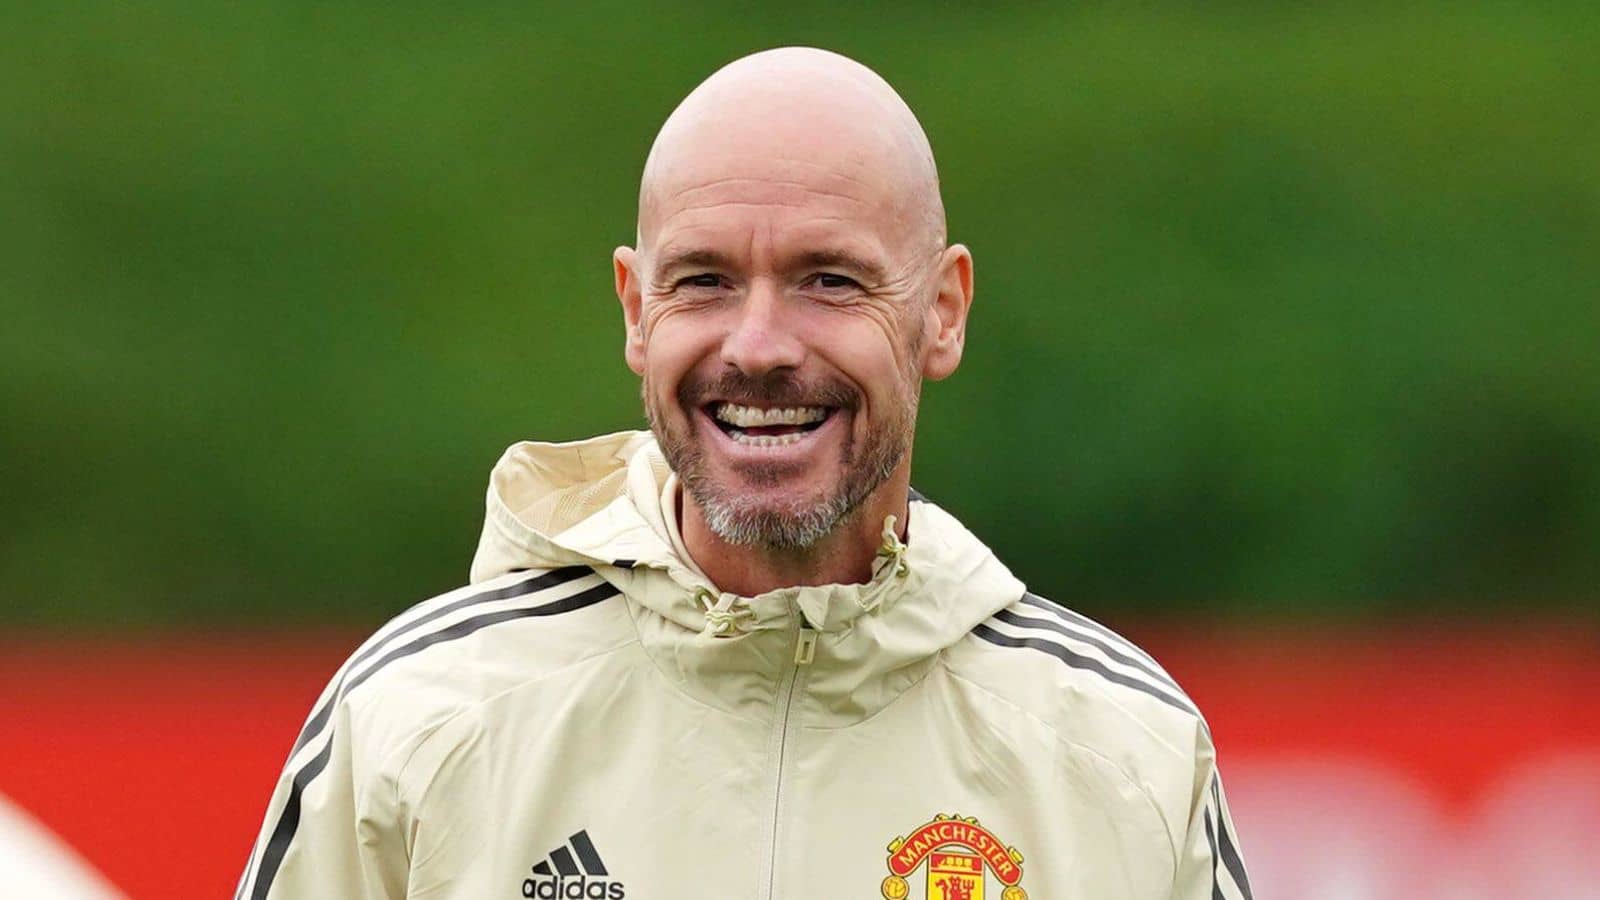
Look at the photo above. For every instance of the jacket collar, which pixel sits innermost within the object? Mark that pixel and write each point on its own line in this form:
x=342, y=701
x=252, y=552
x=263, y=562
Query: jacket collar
x=598, y=502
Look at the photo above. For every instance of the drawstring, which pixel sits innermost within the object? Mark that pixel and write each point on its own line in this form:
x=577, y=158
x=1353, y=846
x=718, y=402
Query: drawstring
x=890, y=558
x=727, y=615
x=724, y=615
x=893, y=549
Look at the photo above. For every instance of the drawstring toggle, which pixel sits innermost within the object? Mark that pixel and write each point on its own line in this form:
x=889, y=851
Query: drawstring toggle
x=725, y=615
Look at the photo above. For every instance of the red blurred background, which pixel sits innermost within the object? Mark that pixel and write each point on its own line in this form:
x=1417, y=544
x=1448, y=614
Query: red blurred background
x=154, y=760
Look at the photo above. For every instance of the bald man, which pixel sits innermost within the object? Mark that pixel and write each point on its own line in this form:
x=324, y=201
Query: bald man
x=736, y=655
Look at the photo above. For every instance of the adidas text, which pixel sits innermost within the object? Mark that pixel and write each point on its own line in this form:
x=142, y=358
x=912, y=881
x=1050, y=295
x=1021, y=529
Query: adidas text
x=579, y=888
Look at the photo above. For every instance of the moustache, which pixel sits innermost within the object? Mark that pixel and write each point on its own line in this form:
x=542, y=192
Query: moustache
x=771, y=390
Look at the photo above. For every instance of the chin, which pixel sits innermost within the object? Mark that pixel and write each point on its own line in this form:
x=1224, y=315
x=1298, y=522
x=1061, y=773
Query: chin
x=774, y=519
x=773, y=529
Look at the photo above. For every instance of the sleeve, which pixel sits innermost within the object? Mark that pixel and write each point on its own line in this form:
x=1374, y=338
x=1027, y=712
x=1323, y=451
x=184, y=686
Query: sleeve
x=1209, y=864
x=323, y=835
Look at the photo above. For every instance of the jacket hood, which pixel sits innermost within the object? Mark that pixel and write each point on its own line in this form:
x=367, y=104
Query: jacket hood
x=540, y=492
x=598, y=502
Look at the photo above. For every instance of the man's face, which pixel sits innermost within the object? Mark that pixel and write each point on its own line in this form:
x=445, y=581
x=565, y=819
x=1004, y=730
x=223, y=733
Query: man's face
x=779, y=336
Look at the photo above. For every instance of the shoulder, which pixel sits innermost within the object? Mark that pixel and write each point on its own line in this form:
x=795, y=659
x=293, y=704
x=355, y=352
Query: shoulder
x=1095, y=688
x=451, y=652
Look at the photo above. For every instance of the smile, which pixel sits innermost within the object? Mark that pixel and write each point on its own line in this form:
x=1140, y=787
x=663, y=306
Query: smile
x=752, y=426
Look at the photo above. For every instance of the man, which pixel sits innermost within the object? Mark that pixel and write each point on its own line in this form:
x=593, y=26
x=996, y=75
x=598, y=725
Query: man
x=737, y=656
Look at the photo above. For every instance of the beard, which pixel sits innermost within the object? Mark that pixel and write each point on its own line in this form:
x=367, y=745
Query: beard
x=742, y=516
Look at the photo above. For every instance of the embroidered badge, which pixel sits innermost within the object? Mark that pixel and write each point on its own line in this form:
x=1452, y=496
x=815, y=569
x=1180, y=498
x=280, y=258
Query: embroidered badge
x=957, y=853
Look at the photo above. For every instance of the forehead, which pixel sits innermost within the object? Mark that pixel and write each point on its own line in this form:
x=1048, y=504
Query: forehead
x=804, y=193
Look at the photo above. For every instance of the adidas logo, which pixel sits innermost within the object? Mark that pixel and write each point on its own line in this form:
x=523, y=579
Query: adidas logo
x=572, y=871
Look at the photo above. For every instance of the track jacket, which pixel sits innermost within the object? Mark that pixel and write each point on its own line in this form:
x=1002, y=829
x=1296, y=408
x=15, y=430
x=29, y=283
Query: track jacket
x=592, y=719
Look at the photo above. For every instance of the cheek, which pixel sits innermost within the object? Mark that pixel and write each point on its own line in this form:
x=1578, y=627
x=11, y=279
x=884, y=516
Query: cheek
x=874, y=364
x=873, y=350
x=672, y=349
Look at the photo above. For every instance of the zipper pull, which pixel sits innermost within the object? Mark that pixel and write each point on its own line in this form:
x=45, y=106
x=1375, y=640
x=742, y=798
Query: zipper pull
x=806, y=647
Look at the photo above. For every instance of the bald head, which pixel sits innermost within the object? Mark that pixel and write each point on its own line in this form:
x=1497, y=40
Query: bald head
x=797, y=114
x=791, y=259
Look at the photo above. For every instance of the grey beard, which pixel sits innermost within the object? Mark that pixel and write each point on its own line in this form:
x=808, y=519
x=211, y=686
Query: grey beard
x=740, y=524
x=740, y=519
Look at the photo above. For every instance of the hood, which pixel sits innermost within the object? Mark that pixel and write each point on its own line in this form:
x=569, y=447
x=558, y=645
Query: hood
x=599, y=502
x=539, y=493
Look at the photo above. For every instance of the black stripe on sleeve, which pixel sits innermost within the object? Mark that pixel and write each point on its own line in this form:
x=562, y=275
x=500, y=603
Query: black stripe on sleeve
x=1211, y=839
x=289, y=819
x=1006, y=615
x=465, y=627
x=550, y=579
x=1068, y=615
x=288, y=823
x=587, y=854
x=1088, y=664
x=1230, y=853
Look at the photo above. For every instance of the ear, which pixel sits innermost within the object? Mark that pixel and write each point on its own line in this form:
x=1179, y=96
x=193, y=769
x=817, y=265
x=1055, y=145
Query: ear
x=624, y=260
x=946, y=320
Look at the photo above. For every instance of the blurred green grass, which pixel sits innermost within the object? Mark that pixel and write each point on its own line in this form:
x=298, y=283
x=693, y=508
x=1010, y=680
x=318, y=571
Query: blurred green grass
x=1282, y=313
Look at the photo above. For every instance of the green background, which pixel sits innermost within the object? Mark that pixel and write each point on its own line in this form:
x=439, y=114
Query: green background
x=1282, y=313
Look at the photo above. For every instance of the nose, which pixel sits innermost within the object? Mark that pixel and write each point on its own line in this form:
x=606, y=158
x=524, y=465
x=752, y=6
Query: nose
x=761, y=338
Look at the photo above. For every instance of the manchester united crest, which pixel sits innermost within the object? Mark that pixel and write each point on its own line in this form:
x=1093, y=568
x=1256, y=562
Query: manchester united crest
x=960, y=858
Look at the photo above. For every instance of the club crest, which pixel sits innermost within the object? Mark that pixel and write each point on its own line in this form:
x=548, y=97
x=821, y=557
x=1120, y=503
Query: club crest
x=960, y=858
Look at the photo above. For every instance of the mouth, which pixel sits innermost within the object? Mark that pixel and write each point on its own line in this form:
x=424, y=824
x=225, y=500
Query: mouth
x=757, y=427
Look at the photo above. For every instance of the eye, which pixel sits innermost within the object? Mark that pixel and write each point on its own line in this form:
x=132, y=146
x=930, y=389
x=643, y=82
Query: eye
x=703, y=280
x=833, y=281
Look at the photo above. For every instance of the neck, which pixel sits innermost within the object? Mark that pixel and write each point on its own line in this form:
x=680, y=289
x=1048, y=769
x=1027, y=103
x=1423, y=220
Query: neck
x=844, y=556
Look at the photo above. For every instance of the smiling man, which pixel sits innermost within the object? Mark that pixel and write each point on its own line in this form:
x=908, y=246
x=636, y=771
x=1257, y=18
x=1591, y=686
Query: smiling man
x=790, y=291
x=737, y=656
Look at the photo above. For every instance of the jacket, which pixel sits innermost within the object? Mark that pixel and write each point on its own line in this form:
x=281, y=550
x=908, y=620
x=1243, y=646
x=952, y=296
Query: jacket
x=592, y=718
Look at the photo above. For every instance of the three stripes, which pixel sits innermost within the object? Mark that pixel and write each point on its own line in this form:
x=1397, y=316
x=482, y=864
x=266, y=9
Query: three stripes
x=1048, y=631
x=562, y=863
x=401, y=639
x=1229, y=855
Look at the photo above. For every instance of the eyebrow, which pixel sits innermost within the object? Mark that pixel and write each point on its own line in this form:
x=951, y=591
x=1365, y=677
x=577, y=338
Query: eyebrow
x=694, y=258
x=830, y=258
x=841, y=259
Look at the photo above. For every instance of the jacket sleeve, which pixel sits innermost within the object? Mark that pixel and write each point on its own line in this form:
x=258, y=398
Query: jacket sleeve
x=323, y=835
x=1209, y=864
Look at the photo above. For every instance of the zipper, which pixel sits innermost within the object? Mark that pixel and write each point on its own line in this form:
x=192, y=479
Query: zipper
x=805, y=647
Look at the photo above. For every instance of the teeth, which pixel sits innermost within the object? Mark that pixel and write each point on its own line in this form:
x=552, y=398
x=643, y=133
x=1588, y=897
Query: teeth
x=752, y=417
x=768, y=440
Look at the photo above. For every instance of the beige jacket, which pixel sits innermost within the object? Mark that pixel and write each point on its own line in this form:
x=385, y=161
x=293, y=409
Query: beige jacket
x=590, y=718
